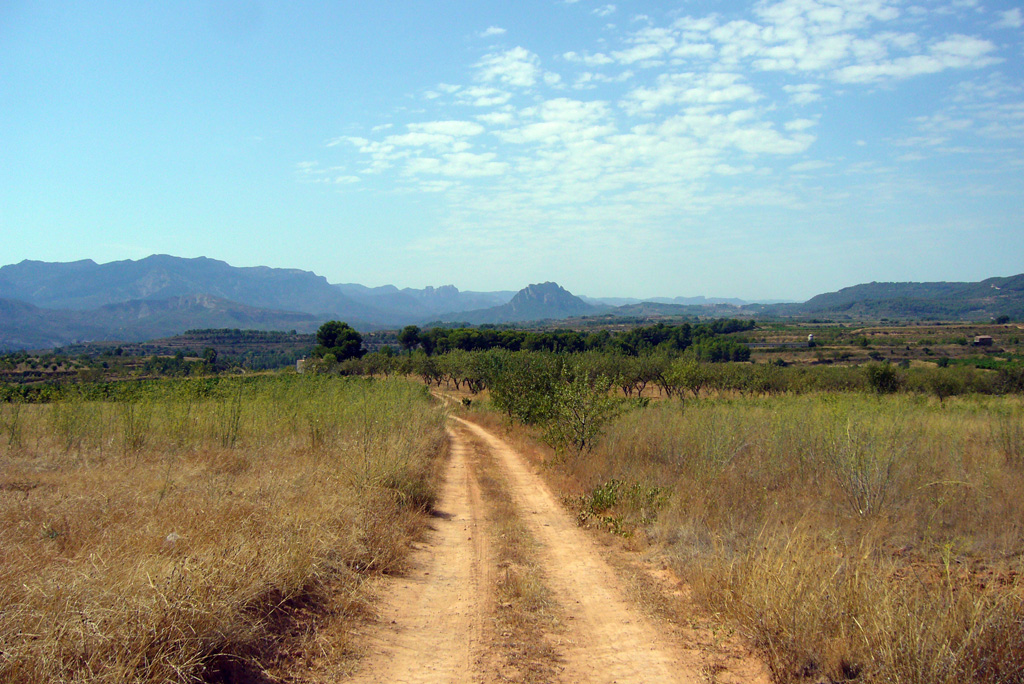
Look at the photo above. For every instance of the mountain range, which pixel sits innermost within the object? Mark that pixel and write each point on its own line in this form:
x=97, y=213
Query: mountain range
x=45, y=304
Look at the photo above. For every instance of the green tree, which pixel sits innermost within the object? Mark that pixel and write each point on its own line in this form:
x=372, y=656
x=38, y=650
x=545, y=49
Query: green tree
x=689, y=374
x=522, y=384
x=581, y=410
x=883, y=378
x=409, y=337
x=340, y=339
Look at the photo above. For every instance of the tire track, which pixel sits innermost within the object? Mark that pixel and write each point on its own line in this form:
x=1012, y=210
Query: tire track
x=607, y=638
x=431, y=624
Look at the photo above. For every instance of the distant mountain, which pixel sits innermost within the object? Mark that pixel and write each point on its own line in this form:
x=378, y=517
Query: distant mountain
x=546, y=301
x=392, y=303
x=50, y=304
x=983, y=300
x=448, y=298
x=659, y=309
x=416, y=304
x=680, y=301
x=83, y=285
x=24, y=326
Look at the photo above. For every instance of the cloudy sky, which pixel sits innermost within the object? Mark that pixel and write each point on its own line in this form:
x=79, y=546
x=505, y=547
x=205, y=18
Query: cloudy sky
x=763, y=150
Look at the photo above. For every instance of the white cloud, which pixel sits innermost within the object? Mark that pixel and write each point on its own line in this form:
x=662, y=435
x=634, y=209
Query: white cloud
x=1011, y=19
x=492, y=31
x=497, y=118
x=552, y=79
x=994, y=86
x=690, y=88
x=695, y=50
x=517, y=67
x=739, y=129
x=439, y=134
x=800, y=124
x=597, y=59
x=482, y=96
x=561, y=120
x=803, y=93
x=955, y=52
x=673, y=120
x=604, y=10
x=312, y=172
x=648, y=44
x=848, y=39
x=457, y=165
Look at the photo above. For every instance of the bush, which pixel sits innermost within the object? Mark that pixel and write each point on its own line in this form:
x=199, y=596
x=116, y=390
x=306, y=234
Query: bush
x=883, y=378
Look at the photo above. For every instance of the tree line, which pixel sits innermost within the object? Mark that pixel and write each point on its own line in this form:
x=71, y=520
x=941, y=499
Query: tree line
x=633, y=342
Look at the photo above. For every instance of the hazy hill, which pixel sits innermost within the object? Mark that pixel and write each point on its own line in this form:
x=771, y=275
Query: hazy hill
x=50, y=304
x=24, y=326
x=423, y=303
x=983, y=300
x=678, y=301
x=86, y=285
x=259, y=348
x=392, y=303
x=448, y=298
x=533, y=303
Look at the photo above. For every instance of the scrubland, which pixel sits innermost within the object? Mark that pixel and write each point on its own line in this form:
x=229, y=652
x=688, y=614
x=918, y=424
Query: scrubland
x=851, y=537
x=168, y=532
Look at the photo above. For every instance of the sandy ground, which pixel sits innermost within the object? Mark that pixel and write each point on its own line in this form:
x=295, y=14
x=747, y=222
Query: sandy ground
x=431, y=625
x=435, y=623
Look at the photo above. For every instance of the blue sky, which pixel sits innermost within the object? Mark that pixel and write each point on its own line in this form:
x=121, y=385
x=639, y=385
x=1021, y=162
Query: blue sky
x=757, y=150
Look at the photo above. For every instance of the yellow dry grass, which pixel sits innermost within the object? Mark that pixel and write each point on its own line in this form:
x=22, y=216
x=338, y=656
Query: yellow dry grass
x=851, y=538
x=159, y=536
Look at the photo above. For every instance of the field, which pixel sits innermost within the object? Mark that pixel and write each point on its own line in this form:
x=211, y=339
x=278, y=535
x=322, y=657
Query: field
x=854, y=523
x=849, y=511
x=849, y=537
x=172, y=533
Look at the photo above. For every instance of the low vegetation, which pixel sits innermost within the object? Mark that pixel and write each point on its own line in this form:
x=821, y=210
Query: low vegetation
x=852, y=538
x=856, y=523
x=168, y=532
x=853, y=503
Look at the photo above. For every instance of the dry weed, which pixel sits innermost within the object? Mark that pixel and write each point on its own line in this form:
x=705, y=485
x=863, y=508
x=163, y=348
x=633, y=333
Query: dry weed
x=163, y=537
x=851, y=538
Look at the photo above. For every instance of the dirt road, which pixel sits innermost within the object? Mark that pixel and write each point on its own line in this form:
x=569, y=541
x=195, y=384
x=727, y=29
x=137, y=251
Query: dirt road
x=432, y=621
x=437, y=623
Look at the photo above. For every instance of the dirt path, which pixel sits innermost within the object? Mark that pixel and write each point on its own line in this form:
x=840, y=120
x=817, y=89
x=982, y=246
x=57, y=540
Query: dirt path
x=437, y=624
x=431, y=623
x=608, y=639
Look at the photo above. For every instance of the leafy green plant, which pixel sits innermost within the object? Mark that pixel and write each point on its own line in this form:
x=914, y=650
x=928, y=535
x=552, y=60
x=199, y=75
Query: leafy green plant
x=581, y=410
x=883, y=378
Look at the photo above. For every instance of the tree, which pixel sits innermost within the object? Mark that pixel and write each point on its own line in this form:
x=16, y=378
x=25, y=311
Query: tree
x=882, y=378
x=689, y=374
x=409, y=337
x=522, y=384
x=340, y=339
x=580, y=412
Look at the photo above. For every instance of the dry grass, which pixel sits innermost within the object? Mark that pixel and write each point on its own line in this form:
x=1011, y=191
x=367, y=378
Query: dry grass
x=850, y=538
x=161, y=537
